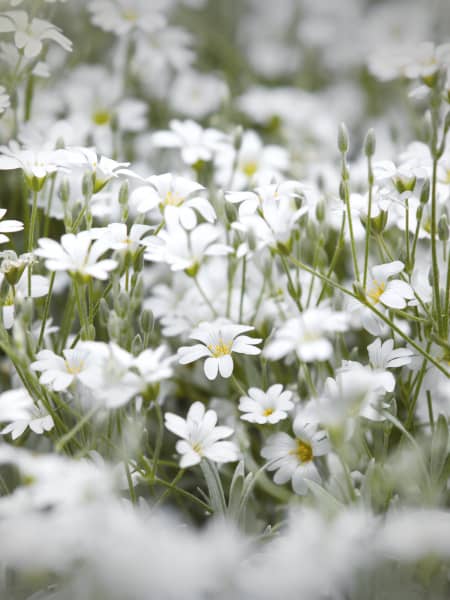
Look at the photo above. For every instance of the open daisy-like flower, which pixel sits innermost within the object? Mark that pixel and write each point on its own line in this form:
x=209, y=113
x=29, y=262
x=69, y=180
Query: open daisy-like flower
x=293, y=458
x=59, y=372
x=201, y=437
x=266, y=407
x=392, y=293
x=218, y=341
x=176, y=196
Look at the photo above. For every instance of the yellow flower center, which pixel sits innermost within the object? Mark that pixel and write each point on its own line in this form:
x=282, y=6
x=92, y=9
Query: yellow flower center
x=220, y=349
x=101, y=117
x=130, y=15
x=303, y=451
x=197, y=448
x=74, y=369
x=376, y=291
x=249, y=168
x=172, y=199
x=268, y=412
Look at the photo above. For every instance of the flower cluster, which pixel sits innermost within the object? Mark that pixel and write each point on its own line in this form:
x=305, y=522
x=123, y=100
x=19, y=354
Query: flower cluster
x=225, y=299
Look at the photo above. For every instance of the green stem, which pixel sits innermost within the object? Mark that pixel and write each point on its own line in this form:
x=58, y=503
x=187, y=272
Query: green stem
x=46, y=311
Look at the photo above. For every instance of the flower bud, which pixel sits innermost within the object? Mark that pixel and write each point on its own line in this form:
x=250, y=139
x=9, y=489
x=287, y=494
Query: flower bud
x=443, y=231
x=137, y=345
x=425, y=192
x=122, y=304
x=370, y=143
x=123, y=193
x=146, y=321
x=343, y=142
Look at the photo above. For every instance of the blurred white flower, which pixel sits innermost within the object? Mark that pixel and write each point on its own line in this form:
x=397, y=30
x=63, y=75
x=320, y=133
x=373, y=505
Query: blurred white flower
x=196, y=143
x=122, y=16
x=266, y=407
x=116, y=236
x=60, y=372
x=307, y=335
x=153, y=365
x=30, y=35
x=20, y=412
x=201, y=438
x=218, y=341
x=293, y=458
x=196, y=94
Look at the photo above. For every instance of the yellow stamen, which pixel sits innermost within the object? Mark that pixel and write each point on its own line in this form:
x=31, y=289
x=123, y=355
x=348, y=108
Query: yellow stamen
x=220, y=349
x=172, y=199
x=249, y=168
x=303, y=451
x=101, y=117
x=130, y=15
x=376, y=291
x=74, y=370
x=268, y=412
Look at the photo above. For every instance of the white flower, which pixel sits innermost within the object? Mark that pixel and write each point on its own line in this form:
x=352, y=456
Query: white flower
x=197, y=94
x=293, y=458
x=122, y=16
x=59, y=372
x=307, y=335
x=218, y=341
x=36, y=165
x=253, y=161
x=103, y=169
x=392, y=293
x=356, y=391
x=18, y=409
x=266, y=407
x=8, y=226
x=77, y=254
x=200, y=437
x=196, y=144
x=29, y=35
x=116, y=237
x=183, y=250
x=112, y=380
x=176, y=196
x=382, y=356
x=153, y=366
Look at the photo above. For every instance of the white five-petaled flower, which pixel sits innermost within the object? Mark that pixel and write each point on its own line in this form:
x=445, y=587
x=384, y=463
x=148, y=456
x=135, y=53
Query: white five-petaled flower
x=176, y=196
x=185, y=250
x=19, y=411
x=382, y=356
x=392, y=293
x=293, y=458
x=29, y=35
x=59, y=372
x=35, y=164
x=218, y=341
x=266, y=407
x=200, y=437
x=77, y=254
x=8, y=226
x=307, y=335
